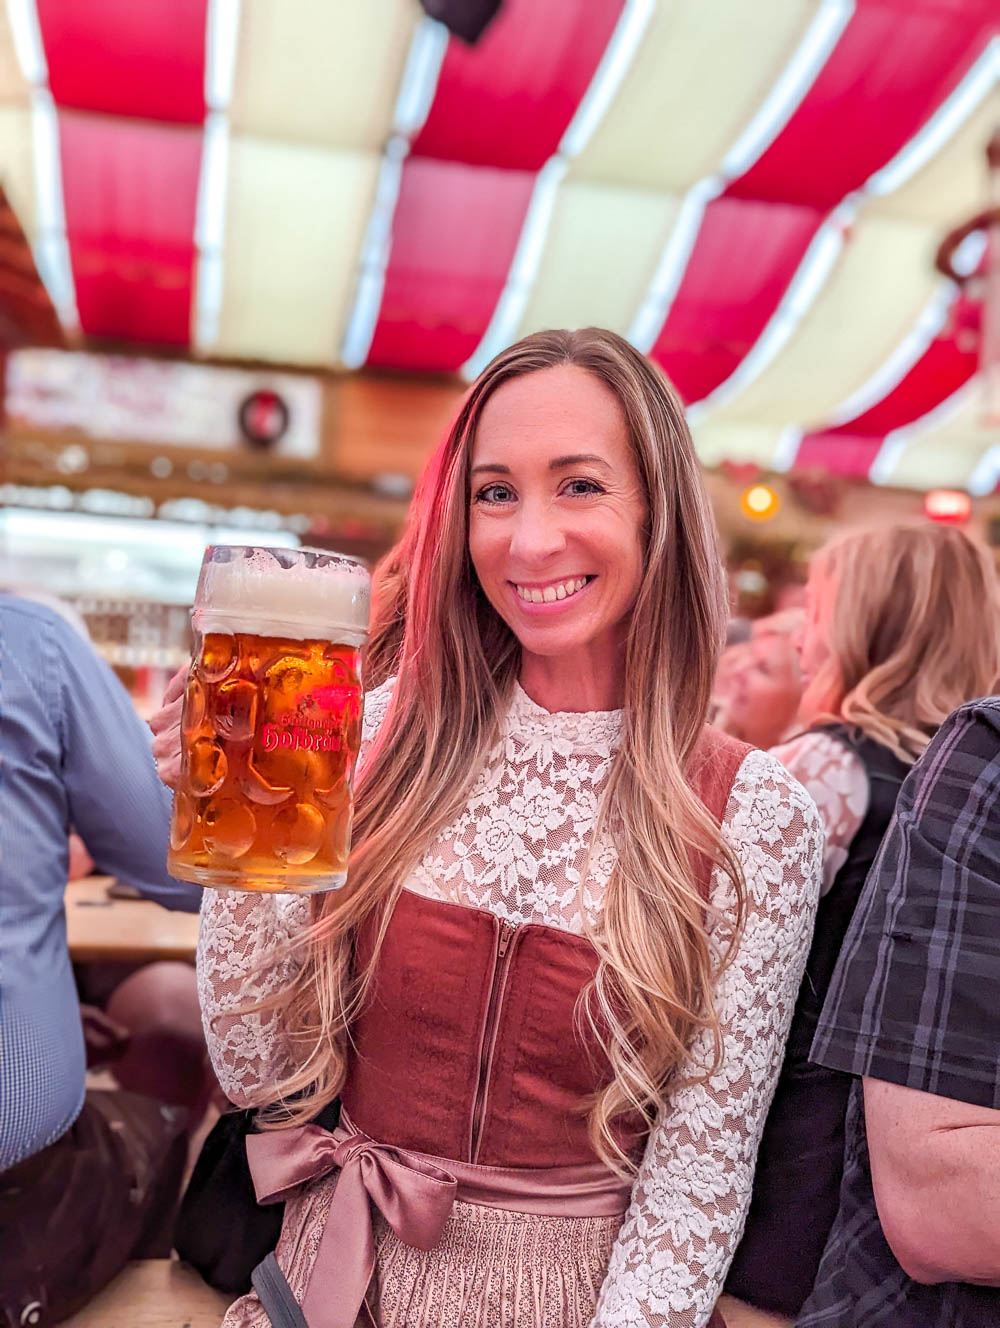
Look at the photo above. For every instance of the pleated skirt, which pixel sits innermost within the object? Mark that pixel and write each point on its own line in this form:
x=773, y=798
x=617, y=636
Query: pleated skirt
x=491, y=1269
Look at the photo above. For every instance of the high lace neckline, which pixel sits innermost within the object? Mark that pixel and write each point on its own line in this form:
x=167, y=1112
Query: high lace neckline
x=596, y=731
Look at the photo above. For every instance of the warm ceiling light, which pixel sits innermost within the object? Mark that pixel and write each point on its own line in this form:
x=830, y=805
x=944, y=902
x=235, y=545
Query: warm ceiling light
x=759, y=502
x=952, y=505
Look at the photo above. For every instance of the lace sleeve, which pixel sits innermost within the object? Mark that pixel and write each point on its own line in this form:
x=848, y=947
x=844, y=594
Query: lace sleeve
x=691, y=1194
x=376, y=707
x=835, y=778
x=244, y=954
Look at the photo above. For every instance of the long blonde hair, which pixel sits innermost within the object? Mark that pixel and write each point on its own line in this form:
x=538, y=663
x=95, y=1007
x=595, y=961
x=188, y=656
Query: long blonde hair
x=913, y=630
x=457, y=667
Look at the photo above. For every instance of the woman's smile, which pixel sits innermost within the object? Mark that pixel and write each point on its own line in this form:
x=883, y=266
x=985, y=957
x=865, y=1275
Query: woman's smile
x=550, y=595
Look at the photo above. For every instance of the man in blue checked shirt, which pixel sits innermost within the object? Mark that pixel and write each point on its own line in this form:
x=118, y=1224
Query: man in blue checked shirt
x=73, y=752
x=914, y=1011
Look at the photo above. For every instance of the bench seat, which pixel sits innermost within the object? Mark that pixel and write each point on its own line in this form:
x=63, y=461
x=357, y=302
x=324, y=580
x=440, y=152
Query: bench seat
x=154, y=1293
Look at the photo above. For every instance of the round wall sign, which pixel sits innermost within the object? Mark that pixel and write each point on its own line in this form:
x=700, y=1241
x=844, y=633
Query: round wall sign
x=263, y=418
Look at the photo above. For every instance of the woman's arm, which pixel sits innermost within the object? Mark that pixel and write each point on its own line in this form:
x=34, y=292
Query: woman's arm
x=244, y=955
x=690, y=1197
x=246, y=952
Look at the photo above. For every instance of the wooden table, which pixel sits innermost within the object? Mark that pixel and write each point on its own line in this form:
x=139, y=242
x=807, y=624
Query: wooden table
x=155, y=1293
x=127, y=930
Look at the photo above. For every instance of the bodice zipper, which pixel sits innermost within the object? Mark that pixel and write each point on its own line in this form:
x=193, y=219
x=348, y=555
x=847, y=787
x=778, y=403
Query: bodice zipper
x=507, y=932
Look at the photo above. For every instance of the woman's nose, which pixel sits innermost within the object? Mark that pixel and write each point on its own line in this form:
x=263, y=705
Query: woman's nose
x=536, y=535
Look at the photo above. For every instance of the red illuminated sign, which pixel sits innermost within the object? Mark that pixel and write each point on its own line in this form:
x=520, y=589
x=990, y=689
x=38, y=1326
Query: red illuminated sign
x=951, y=505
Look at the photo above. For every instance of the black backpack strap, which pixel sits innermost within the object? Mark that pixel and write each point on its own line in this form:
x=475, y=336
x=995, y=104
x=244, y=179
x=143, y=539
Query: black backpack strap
x=275, y=1295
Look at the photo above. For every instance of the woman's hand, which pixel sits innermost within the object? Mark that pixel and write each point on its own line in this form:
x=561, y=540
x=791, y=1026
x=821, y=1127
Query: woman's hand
x=166, y=726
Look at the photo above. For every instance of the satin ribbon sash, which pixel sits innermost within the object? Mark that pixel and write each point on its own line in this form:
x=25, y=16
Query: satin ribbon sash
x=415, y=1194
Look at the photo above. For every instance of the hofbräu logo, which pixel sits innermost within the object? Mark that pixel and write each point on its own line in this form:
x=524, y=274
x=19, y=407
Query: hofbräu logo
x=318, y=724
x=314, y=736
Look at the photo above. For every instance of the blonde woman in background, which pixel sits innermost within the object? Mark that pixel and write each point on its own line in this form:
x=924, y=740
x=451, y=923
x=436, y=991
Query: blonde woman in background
x=554, y=996
x=758, y=684
x=902, y=627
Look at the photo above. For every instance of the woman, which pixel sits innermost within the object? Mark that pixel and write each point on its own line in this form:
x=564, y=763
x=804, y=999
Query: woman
x=902, y=626
x=566, y=989
x=758, y=684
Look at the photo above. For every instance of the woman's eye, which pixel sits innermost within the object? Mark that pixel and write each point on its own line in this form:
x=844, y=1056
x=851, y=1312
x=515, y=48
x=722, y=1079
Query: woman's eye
x=580, y=488
x=495, y=493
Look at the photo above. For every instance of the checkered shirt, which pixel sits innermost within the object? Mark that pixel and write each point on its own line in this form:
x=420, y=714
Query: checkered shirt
x=73, y=753
x=914, y=1002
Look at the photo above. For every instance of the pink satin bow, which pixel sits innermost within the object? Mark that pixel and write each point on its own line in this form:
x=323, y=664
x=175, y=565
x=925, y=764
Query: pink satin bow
x=413, y=1195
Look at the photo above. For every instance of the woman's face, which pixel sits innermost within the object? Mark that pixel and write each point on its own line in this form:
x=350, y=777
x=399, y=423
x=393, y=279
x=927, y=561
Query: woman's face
x=757, y=688
x=557, y=514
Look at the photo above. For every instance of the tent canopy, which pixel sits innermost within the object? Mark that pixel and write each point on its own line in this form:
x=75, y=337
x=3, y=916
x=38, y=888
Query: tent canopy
x=752, y=193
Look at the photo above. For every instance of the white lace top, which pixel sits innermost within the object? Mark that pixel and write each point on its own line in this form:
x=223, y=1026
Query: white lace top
x=835, y=778
x=517, y=849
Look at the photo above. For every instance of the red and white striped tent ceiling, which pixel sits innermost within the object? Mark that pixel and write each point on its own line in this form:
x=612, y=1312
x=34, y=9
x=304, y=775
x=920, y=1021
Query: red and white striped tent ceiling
x=752, y=192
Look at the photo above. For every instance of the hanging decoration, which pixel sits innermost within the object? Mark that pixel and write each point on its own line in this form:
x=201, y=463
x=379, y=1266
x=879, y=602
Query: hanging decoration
x=981, y=283
x=815, y=492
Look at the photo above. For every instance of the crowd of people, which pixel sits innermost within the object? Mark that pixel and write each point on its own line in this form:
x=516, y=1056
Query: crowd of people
x=623, y=1018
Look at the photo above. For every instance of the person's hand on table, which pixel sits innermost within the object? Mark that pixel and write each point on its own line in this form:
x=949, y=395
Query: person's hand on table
x=166, y=726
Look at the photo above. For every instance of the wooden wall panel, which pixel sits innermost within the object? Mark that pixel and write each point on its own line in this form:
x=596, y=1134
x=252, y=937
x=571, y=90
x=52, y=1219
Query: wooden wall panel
x=379, y=425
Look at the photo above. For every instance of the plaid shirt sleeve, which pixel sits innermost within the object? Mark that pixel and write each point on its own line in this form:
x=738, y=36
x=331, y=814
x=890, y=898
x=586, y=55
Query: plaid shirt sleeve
x=913, y=1000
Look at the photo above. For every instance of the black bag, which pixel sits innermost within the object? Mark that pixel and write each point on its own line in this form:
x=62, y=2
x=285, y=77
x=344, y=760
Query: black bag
x=221, y=1230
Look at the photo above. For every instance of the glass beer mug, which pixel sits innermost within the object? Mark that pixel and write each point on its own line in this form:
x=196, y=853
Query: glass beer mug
x=271, y=721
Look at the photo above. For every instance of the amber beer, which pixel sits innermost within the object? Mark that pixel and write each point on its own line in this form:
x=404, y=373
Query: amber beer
x=271, y=721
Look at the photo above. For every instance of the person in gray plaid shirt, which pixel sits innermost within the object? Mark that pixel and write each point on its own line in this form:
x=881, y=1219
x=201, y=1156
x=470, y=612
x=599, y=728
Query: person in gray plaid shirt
x=914, y=1011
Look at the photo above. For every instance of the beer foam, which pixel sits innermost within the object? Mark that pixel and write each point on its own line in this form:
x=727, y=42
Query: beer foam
x=253, y=591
